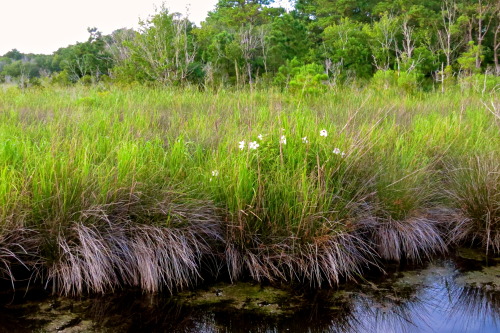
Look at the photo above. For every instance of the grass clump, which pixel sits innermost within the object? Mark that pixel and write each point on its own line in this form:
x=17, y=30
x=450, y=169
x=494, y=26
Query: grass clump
x=475, y=191
x=151, y=243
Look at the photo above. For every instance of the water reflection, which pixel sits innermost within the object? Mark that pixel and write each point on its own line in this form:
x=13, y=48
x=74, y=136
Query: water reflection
x=438, y=304
x=424, y=300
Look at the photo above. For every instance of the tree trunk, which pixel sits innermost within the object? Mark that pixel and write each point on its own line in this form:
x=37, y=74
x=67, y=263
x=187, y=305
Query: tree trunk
x=496, y=46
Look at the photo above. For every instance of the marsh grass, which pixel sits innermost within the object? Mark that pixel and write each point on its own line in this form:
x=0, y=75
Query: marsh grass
x=19, y=252
x=324, y=260
x=144, y=242
x=143, y=186
x=475, y=191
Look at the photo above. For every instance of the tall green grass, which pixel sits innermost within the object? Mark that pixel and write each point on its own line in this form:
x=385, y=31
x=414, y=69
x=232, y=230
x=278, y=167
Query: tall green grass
x=113, y=181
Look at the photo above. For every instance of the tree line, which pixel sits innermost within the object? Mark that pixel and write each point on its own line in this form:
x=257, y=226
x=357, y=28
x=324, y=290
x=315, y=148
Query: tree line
x=316, y=44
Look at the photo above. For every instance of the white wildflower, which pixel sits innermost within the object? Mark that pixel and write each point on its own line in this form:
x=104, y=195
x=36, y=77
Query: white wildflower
x=253, y=145
x=215, y=173
x=260, y=137
x=283, y=140
x=242, y=145
x=323, y=133
x=337, y=151
x=304, y=140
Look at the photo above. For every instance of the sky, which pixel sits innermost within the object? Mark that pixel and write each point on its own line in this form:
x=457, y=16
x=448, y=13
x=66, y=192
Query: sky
x=43, y=26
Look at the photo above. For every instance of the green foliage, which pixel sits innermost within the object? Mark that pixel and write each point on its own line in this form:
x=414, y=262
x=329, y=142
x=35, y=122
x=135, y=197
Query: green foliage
x=382, y=34
x=85, y=80
x=61, y=79
x=162, y=51
x=409, y=81
x=287, y=39
x=323, y=13
x=384, y=79
x=306, y=79
x=14, y=54
x=90, y=58
x=426, y=61
x=232, y=14
x=346, y=43
x=20, y=68
x=467, y=59
x=480, y=83
x=246, y=42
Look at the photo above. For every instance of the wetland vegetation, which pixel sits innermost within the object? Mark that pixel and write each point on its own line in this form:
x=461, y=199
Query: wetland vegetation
x=105, y=187
x=272, y=168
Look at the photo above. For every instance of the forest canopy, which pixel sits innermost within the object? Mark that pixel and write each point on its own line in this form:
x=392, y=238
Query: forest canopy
x=316, y=44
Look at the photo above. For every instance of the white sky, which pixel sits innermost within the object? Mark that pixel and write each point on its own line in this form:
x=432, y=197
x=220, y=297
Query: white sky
x=43, y=26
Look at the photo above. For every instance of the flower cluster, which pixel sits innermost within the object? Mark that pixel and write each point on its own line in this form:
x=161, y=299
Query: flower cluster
x=215, y=173
x=253, y=145
x=337, y=151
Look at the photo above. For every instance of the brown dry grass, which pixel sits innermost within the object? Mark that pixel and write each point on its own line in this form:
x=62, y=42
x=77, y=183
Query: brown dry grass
x=19, y=250
x=414, y=238
x=325, y=260
x=116, y=246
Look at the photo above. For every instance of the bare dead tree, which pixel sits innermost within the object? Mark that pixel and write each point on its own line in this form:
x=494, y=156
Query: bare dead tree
x=116, y=45
x=184, y=54
x=249, y=43
x=262, y=33
x=408, y=42
x=164, y=48
x=333, y=71
x=445, y=35
x=496, y=40
x=386, y=37
x=405, y=56
x=484, y=19
x=496, y=47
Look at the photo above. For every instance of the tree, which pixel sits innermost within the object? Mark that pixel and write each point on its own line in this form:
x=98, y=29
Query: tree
x=477, y=17
x=383, y=35
x=234, y=40
x=252, y=43
x=347, y=43
x=496, y=40
x=446, y=35
x=162, y=50
x=90, y=58
x=288, y=38
x=14, y=54
x=233, y=14
x=323, y=13
x=468, y=59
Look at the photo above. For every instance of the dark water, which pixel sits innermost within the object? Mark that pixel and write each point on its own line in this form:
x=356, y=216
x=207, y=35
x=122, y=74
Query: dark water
x=458, y=295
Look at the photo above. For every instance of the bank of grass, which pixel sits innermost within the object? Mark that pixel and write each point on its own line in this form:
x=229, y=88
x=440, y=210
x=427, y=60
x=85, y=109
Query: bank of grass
x=143, y=186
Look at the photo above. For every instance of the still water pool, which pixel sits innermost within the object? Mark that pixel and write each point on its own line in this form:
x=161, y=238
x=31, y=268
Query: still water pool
x=446, y=295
